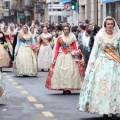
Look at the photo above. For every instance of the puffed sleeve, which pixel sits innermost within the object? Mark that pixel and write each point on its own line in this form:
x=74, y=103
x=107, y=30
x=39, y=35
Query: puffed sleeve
x=95, y=48
x=56, y=50
x=74, y=46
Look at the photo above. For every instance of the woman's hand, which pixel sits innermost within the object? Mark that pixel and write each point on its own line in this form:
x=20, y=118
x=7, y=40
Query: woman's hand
x=91, y=67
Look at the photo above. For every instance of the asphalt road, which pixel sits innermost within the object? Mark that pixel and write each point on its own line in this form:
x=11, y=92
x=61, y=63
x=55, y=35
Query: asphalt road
x=28, y=99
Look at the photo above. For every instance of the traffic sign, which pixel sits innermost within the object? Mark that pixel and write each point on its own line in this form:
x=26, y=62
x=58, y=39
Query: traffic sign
x=55, y=6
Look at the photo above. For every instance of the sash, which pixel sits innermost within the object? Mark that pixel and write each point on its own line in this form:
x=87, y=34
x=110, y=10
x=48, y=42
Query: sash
x=31, y=46
x=110, y=52
x=64, y=45
x=46, y=41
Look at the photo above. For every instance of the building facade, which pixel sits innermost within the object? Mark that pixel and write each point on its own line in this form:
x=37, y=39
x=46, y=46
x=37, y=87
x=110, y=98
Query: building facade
x=113, y=9
x=97, y=10
x=40, y=10
x=22, y=11
x=55, y=11
x=91, y=10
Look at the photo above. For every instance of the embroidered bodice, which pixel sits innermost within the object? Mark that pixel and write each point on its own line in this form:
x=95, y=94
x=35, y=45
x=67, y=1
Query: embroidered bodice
x=100, y=44
x=69, y=41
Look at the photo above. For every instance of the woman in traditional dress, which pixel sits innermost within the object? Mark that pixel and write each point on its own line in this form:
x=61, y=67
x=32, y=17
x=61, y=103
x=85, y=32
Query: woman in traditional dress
x=10, y=48
x=12, y=33
x=3, y=51
x=2, y=85
x=100, y=93
x=34, y=35
x=45, y=50
x=25, y=63
x=66, y=74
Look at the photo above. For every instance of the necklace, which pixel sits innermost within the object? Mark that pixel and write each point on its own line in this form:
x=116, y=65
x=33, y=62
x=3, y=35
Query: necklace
x=109, y=33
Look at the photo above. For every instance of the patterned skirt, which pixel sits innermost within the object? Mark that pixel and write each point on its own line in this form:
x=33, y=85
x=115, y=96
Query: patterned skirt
x=5, y=57
x=66, y=75
x=2, y=88
x=25, y=62
x=45, y=57
x=100, y=92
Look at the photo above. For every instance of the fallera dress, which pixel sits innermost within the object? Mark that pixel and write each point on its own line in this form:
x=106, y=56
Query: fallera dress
x=66, y=74
x=100, y=92
x=2, y=88
x=25, y=63
x=3, y=52
x=45, y=52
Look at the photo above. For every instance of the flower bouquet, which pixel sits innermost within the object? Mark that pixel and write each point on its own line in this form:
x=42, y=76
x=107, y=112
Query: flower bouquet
x=75, y=54
x=5, y=45
x=34, y=46
x=52, y=43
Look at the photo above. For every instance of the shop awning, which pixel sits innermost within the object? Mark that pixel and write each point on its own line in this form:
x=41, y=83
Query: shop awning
x=108, y=1
x=65, y=1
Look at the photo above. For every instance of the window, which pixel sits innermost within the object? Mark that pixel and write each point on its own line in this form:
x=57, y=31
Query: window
x=108, y=12
x=7, y=4
x=113, y=10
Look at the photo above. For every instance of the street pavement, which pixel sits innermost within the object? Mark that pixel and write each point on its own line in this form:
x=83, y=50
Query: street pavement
x=28, y=99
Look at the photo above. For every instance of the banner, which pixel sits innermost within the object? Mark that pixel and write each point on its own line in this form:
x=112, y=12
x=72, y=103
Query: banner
x=65, y=1
x=108, y=1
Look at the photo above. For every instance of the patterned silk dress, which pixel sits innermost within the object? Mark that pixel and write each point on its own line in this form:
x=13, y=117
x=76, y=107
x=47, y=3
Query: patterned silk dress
x=45, y=52
x=2, y=88
x=3, y=52
x=100, y=92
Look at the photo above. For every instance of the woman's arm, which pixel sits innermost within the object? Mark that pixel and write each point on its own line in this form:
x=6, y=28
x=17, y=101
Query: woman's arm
x=74, y=46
